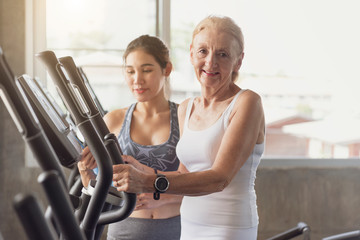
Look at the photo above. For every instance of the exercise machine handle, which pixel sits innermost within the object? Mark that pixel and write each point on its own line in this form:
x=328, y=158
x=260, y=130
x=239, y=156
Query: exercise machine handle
x=61, y=205
x=90, y=123
x=110, y=141
x=76, y=80
x=301, y=228
x=92, y=92
x=32, y=218
x=26, y=121
x=344, y=236
x=79, y=111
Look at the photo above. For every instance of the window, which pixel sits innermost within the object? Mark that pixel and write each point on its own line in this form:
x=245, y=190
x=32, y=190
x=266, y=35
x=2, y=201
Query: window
x=301, y=56
x=95, y=33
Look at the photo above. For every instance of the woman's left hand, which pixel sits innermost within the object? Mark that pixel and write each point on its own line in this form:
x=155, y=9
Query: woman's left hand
x=146, y=201
x=128, y=178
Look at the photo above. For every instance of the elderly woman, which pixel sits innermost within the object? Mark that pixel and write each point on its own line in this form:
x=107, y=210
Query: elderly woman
x=221, y=143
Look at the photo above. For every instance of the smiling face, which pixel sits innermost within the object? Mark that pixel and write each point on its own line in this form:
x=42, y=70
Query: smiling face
x=215, y=56
x=144, y=75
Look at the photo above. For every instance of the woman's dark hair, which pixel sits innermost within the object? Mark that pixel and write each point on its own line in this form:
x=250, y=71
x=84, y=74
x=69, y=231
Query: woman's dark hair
x=151, y=45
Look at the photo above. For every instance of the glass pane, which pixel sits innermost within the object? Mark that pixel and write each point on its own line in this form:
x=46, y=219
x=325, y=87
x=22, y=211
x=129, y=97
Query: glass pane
x=95, y=33
x=87, y=25
x=301, y=56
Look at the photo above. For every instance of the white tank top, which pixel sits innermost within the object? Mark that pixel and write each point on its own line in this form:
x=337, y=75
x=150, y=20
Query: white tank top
x=235, y=206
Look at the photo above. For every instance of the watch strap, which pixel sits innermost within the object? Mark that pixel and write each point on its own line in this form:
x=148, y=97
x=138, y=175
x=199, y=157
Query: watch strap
x=156, y=193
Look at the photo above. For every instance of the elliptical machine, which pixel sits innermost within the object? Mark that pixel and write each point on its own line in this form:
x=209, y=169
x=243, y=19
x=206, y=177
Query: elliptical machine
x=93, y=211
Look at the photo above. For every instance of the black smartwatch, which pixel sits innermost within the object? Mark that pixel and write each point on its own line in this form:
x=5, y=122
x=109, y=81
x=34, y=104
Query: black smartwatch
x=161, y=185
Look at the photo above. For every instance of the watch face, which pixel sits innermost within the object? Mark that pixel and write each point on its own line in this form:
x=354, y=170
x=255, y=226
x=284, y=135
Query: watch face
x=162, y=184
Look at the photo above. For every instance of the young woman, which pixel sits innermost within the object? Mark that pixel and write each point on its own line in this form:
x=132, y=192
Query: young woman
x=148, y=130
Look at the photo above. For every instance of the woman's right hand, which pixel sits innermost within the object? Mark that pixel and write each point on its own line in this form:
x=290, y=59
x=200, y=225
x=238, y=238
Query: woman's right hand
x=85, y=166
x=87, y=161
x=141, y=167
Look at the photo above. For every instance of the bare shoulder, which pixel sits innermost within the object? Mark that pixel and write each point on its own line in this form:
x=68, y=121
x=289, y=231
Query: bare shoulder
x=248, y=98
x=115, y=119
x=250, y=95
x=248, y=105
x=182, y=108
x=249, y=113
x=182, y=113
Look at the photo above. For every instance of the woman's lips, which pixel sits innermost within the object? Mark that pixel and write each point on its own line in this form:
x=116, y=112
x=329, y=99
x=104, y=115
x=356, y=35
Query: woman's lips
x=139, y=90
x=211, y=74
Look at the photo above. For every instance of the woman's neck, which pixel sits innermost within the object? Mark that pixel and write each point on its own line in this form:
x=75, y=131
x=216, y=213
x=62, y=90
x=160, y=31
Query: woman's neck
x=210, y=96
x=153, y=106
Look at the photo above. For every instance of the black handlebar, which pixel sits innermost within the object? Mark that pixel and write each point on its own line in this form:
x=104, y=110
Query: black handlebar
x=61, y=205
x=32, y=132
x=32, y=218
x=26, y=121
x=301, y=228
x=353, y=235
x=86, y=116
x=94, y=114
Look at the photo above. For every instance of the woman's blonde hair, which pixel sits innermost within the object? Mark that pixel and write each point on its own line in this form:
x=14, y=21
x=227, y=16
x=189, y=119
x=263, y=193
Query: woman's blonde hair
x=226, y=24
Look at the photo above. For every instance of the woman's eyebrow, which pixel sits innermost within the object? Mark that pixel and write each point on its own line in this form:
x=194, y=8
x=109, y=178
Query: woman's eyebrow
x=143, y=65
x=147, y=64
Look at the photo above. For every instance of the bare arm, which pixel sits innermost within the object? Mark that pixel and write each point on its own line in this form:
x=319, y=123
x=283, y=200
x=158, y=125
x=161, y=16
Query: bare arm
x=245, y=129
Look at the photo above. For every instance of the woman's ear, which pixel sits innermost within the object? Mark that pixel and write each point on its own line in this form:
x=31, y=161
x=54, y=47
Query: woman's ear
x=168, y=69
x=239, y=62
x=191, y=54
